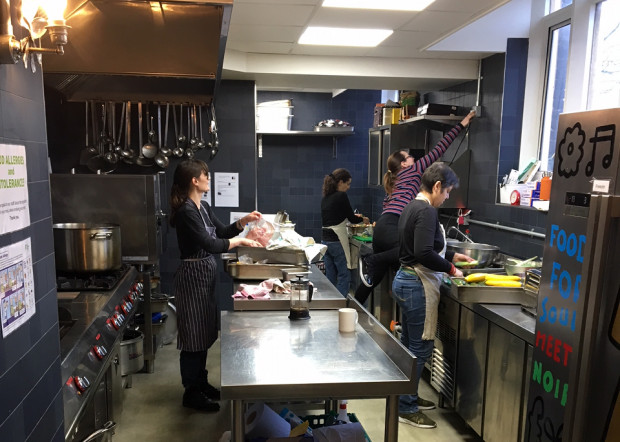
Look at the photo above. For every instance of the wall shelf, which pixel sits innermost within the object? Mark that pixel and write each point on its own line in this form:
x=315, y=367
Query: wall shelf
x=304, y=133
x=434, y=122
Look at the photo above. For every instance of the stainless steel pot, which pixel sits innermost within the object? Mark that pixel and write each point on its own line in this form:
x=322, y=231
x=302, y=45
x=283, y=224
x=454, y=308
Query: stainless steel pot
x=485, y=254
x=83, y=247
x=132, y=352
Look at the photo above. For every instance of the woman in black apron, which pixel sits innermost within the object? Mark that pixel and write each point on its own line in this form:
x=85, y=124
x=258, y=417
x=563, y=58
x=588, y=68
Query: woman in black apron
x=200, y=235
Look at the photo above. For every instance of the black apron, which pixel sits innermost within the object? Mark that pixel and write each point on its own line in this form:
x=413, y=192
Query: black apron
x=194, y=289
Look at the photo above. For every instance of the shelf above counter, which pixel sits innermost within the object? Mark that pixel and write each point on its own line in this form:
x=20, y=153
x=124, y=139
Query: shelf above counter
x=434, y=122
x=304, y=133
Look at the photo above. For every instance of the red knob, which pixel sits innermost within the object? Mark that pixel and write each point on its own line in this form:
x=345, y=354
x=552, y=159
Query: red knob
x=81, y=383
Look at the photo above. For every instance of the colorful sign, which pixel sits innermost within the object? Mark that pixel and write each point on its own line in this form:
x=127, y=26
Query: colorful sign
x=14, y=211
x=17, y=302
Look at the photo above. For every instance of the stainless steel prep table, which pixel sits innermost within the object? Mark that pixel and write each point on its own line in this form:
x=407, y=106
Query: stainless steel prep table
x=326, y=296
x=509, y=317
x=265, y=356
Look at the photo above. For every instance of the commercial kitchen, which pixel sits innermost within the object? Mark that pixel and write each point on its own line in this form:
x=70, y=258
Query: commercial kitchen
x=100, y=101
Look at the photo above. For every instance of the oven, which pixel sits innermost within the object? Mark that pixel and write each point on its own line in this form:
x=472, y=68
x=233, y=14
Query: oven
x=94, y=311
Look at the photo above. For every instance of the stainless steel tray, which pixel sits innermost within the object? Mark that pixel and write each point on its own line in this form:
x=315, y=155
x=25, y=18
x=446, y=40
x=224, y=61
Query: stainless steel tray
x=261, y=271
x=335, y=130
x=280, y=256
x=488, y=295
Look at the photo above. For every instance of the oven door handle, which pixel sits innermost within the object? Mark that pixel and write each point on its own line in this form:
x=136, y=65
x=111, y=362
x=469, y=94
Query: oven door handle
x=107, y=428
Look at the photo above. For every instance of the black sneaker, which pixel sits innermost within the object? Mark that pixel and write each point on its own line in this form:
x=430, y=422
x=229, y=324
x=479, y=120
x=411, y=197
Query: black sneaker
x=214, y=394
x=423, y=404
x=418, y=419
x=194, y=398
x=366, y=271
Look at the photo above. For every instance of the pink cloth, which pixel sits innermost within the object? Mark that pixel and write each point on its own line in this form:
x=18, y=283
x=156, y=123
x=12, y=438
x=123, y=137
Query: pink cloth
x=252, y=292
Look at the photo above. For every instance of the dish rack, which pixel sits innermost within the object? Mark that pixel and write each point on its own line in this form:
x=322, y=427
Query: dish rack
x=531, y=287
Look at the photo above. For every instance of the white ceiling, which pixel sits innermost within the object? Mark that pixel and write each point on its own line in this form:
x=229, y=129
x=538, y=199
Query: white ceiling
x=263, y=35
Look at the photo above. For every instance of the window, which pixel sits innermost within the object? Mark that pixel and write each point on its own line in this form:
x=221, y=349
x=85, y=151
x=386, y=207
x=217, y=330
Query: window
x=556, y=5
x=604, y=90
x=557, y=64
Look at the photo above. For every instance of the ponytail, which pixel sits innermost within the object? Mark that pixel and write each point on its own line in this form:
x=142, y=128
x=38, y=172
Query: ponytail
x=394, y=166
x=183, y=175
x=330, y=182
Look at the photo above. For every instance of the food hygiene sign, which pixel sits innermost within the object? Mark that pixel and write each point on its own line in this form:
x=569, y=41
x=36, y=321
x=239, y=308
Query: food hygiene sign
x=14, y=212
x=17, y=302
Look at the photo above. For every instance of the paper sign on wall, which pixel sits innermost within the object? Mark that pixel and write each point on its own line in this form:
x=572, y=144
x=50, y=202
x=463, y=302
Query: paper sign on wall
x=14, y=212
x=226, y=189
x=17, y=303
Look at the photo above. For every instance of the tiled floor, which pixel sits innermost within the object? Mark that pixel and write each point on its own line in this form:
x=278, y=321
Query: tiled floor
x=152, y=410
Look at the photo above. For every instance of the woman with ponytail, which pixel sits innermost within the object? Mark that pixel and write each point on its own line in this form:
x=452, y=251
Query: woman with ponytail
x=200, y=235
x=335, y=212
x=402, y=184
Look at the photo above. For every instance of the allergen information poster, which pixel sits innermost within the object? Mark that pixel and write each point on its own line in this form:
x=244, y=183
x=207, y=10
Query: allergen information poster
x=17, y=303
x=14, y=212
x=226, y=189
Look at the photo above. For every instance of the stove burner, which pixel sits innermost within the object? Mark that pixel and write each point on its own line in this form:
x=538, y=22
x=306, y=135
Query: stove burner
x=66, y=282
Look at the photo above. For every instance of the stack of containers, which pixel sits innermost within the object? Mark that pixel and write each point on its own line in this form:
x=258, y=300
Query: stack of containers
x=274, y=116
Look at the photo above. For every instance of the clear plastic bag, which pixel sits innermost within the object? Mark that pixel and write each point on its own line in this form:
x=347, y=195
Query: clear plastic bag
x=260, y=231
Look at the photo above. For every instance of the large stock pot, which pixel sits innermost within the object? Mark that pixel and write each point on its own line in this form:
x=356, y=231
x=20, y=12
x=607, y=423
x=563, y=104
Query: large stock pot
x=83, y=247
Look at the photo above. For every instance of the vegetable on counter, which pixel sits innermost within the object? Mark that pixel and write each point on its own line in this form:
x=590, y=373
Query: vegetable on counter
x=466, y=264
x=503, y=278
x=502, y=283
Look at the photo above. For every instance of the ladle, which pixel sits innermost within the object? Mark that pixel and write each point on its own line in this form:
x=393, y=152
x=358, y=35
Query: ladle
x=149, y=124
x=141, y=160
x=201, y=141
x=165, y=149
x=160, y=159
x=178, y=150
x=181, y=136
x=89, y=151
x=189, y=152
x=128, y=154
x=117, y=147
x=193, y=141
x=110, y=156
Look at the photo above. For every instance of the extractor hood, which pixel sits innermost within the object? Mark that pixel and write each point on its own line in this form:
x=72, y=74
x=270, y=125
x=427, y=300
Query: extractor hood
x=169, y=51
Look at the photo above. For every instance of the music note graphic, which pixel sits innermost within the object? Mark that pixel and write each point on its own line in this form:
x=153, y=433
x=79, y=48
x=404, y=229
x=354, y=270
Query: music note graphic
x=600, y=136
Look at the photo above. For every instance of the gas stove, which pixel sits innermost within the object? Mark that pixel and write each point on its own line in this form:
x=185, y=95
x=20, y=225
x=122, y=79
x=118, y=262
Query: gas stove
x=68, y=282
x=91, y=326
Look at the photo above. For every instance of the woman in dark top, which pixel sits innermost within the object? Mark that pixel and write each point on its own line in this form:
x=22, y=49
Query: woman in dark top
x=335, y=212
x=423, y=261
x=402, y=184
x=200, y=235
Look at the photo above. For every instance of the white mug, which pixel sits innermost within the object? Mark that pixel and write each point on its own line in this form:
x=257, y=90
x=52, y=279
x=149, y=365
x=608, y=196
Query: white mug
x=347, y=320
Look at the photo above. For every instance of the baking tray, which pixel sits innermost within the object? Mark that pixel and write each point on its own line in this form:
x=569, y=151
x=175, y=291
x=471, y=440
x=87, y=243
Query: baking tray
x=488, y=294
x=261, y=271
x=334, y=130
x=279, y=256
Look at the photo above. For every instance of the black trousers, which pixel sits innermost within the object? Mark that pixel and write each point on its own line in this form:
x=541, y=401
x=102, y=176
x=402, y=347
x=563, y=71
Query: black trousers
x=194, y=372
x=386, y=250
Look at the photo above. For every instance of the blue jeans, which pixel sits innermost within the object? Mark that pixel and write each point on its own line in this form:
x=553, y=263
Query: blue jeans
x=336, y=266
x=409, y=294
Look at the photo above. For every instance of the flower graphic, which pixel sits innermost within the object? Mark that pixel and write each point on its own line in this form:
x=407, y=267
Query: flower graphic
x=570, y=151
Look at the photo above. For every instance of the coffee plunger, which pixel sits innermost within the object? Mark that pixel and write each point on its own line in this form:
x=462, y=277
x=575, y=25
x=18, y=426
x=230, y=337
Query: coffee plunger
x=301, y=296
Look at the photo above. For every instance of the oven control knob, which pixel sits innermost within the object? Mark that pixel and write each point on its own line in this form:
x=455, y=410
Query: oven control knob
x=100, y=351
x=126, y=307
x=113, y=323
x=82, y=383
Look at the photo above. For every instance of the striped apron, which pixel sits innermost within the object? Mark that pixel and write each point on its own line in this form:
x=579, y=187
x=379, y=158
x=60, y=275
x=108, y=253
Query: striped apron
x=194, y=289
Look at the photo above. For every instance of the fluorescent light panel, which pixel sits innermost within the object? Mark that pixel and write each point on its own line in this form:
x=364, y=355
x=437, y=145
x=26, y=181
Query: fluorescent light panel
x=390, y=5
x=344, y=36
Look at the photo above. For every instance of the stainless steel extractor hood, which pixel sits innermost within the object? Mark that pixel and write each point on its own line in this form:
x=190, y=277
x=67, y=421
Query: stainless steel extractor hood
x=169, y=51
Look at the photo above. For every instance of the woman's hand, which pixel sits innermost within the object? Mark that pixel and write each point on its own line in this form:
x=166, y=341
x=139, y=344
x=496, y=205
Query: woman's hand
x=468, y=118
x=458, y=274
x=365, y=220
x=250, y=217
x=459, y=257
x=235, y=242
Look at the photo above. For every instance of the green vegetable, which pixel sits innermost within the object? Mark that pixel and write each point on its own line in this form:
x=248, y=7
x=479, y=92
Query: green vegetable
x=466, y=264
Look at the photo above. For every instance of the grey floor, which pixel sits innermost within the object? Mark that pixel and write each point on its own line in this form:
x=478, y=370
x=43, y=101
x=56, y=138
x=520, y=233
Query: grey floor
x=152, y=410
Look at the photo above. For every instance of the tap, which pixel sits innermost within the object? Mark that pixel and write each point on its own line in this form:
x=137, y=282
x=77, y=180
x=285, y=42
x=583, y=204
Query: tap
x=460, y=233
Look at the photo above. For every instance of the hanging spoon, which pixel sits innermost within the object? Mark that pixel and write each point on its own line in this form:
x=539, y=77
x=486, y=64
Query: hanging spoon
x=165, y=149
x=201, y=141
x=178, y=150
x=193, y=141
x=128, y=153
x=89, y=151
x=181, y=137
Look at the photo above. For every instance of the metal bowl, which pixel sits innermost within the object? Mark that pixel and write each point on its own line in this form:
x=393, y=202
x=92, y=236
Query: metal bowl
x=359, y=229
x=485, y=254
x=513, y=270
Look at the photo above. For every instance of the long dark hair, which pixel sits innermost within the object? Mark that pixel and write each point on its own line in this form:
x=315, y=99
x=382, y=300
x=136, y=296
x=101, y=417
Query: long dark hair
x=394, y=166
x=330, y=183
x=183, y=175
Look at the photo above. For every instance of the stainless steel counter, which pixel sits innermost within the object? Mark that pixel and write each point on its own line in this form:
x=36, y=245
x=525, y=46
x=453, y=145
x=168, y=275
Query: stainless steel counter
x=509, y=317
x=325, y=296
x=265, y=356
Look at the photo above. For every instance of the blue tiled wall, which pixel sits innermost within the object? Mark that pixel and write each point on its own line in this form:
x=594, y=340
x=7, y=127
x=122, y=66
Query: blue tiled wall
x=292, y=169
x=31, y=407
x=485, y=136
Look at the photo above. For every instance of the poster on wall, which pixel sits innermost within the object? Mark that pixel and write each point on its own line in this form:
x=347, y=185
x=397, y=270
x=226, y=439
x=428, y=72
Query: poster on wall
x=17, y=303
x=226, y=189
x=14, y=212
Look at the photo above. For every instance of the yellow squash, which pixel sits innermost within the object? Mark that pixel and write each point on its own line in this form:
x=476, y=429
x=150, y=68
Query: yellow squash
x=503, y=278
x=502, y=283
x=475, y=277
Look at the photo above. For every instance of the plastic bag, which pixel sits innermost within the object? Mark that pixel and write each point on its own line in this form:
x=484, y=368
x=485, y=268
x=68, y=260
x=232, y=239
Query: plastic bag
x=260, y=231
x=245, y=259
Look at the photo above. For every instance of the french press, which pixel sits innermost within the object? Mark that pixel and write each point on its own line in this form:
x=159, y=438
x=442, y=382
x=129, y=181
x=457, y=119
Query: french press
x=301, y=296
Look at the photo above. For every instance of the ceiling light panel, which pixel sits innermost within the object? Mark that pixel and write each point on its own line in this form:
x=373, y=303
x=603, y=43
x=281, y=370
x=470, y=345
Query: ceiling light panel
x=391, y=5
x=344, y=36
